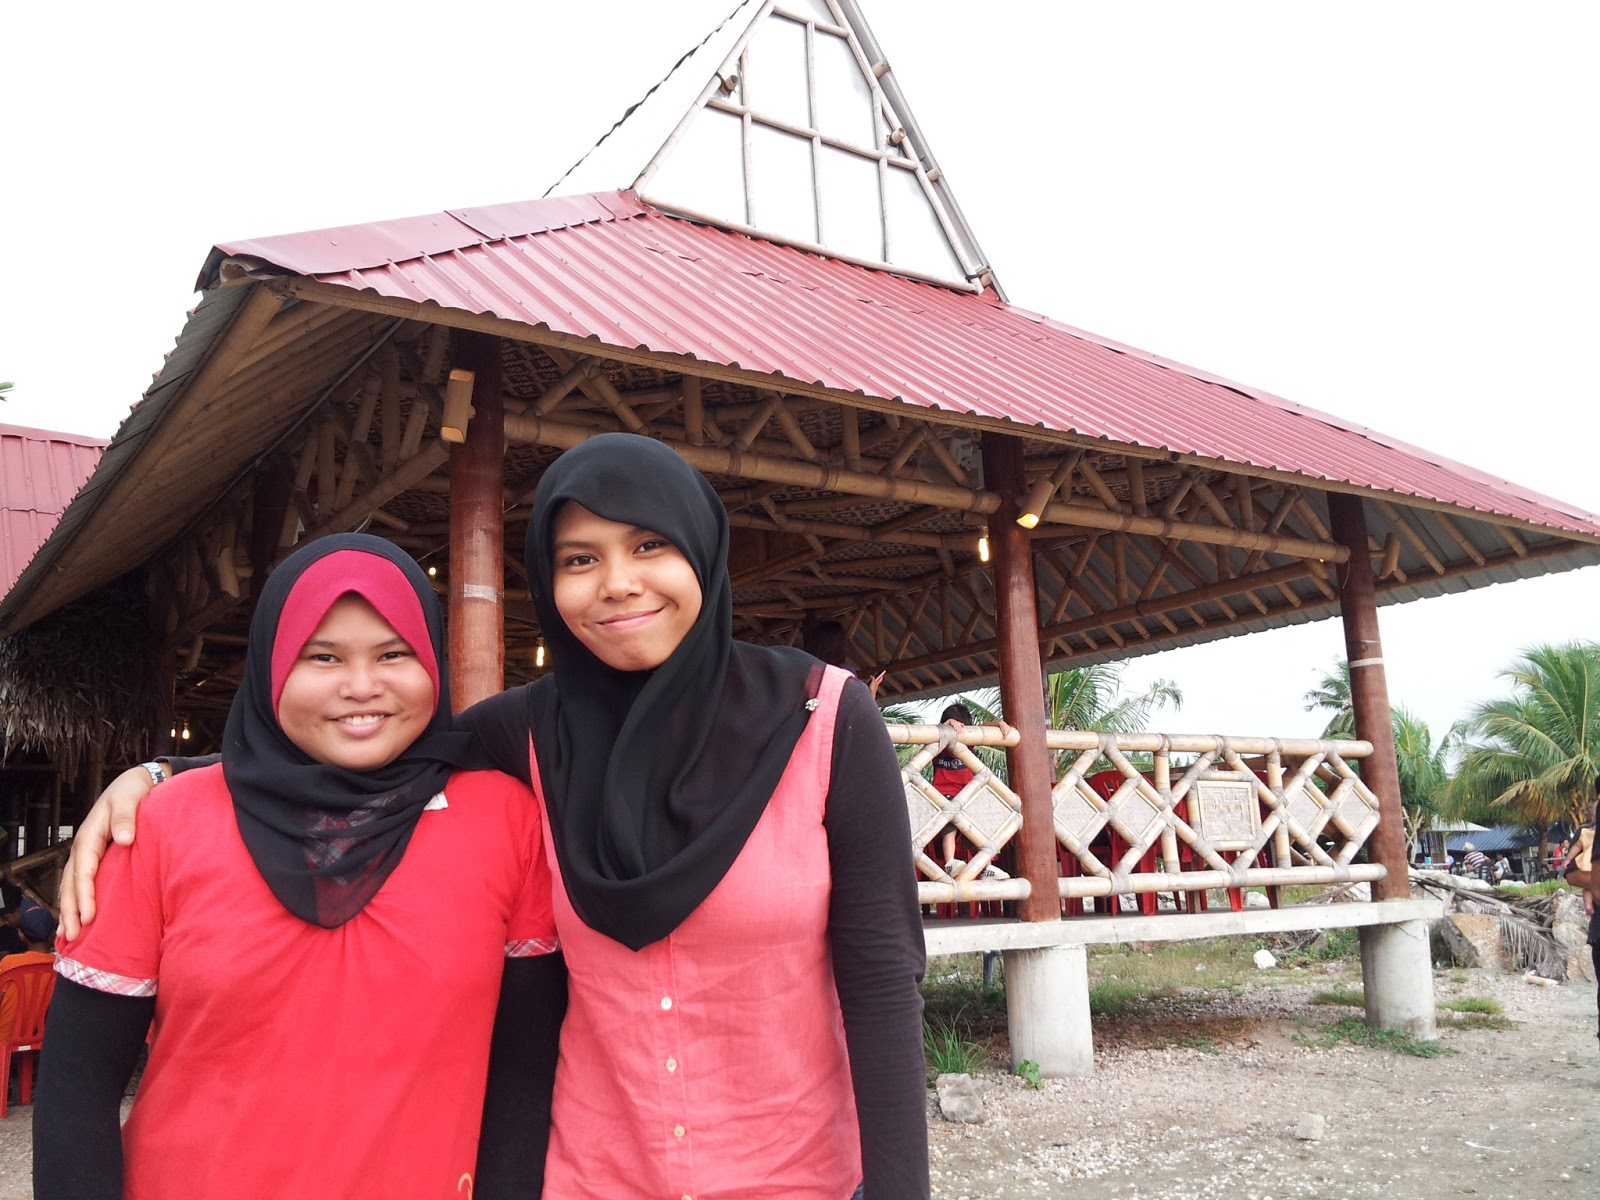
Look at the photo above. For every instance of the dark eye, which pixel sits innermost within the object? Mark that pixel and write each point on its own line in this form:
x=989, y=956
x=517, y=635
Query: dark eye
x=395, y=655
x=573, y=561
x=654, y=543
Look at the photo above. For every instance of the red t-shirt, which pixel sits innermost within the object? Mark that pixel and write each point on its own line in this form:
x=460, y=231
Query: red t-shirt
x=292, y=1060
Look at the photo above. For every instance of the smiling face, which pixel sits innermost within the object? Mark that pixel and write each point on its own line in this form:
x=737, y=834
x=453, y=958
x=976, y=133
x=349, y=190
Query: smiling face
x=627, y=593
x=356, y=696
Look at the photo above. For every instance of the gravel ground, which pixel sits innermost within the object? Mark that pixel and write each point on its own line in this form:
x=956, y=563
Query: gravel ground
x=1503, y=1114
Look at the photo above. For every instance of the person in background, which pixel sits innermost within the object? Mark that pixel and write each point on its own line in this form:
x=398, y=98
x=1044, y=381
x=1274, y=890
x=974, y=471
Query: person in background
x=10, y=934
x=324, y=1025
x=1475, y=862
x=37, y=929
x=950, y=775
x=1581, y=874
x=828, y=642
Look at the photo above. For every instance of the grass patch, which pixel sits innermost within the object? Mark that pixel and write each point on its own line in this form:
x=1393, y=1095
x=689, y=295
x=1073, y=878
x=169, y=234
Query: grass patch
x=1335, y=945
x=1480, y=1021
x=1542, y=888
x=1118, y=997
x=1473, y=1004
x=1457, y=975
x=1352, y=997
x=948, y=1051
x=1354, y=1031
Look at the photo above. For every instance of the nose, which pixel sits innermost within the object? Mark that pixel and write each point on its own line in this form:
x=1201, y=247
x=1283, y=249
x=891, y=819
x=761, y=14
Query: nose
x=361, y=681
x=620, y=578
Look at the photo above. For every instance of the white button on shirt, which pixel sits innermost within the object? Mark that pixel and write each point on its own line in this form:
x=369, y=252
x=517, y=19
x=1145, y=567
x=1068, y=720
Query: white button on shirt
x=666, y=1002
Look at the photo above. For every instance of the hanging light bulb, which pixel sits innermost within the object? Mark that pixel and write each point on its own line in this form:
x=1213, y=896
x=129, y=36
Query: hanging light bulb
x=432, y=571
x=983, y=546
x=538, y=654
x=173, y=732
x=186, y=729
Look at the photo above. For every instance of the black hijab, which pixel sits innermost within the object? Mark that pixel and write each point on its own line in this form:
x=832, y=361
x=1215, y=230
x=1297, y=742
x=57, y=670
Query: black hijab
x=323, y=837
x=655, y=779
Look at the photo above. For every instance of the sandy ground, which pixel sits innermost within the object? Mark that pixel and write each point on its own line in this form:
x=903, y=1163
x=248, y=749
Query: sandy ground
x=1503, y=1114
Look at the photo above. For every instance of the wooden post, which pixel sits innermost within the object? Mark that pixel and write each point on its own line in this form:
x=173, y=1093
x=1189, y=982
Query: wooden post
x=1369, y=694
x=1021, y=679
x=477, y=532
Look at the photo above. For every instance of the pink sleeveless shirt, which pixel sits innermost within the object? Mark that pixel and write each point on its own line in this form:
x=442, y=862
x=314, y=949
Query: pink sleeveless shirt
x=711, y=1065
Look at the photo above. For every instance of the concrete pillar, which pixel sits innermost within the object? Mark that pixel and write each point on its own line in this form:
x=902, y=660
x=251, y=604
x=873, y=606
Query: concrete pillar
x=1397, y=972
x=1047, y=1010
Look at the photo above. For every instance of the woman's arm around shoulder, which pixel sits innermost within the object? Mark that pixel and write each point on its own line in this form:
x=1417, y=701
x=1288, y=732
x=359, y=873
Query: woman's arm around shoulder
x=500, y=723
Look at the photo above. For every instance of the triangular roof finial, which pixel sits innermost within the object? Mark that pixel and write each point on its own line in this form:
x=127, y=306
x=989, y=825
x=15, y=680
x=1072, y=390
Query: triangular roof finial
x=791, y=126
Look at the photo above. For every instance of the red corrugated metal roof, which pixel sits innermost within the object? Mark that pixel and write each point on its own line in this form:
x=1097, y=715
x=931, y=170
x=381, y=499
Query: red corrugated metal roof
x=40, y=473
x=610, y=267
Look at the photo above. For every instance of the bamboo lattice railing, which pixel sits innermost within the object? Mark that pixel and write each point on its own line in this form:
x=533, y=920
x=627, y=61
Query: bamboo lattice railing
x=1231, y=813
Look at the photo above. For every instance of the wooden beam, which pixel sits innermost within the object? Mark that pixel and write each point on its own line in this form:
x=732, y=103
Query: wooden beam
x=477, y=532
x=1021, y=680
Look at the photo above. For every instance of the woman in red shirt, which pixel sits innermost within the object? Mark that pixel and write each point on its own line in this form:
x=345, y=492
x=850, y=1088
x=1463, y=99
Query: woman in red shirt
x=322, y=1022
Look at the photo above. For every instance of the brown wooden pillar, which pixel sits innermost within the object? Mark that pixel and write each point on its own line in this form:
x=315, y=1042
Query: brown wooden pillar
x=1021, y=679
x=1369, y=693
x=477, y=532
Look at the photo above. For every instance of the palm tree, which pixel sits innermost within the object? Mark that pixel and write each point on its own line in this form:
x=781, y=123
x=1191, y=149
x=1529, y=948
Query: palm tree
x=1332, y=694
x=1424, y=770
x=1535, y=754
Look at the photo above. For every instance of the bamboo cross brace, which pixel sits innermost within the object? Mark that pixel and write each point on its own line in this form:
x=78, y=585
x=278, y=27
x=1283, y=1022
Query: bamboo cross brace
x=1275, y=520
x=428, y=460
x=1449, y=526
x=952, y=468
x=1412, y=536
x=551, y=398
x=1097, y=485
x=1213, y=505
x=1180, y=492
x=911, y=626
x=791, y=428
x=905, y=450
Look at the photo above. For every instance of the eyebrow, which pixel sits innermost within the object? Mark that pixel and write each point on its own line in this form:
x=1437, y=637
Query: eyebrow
x=397, y=640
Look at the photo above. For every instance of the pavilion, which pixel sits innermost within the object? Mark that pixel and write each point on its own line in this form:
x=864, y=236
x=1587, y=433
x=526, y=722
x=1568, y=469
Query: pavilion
x=765, y=267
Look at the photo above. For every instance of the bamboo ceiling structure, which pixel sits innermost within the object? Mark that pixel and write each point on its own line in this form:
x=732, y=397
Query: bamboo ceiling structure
x=293, y=409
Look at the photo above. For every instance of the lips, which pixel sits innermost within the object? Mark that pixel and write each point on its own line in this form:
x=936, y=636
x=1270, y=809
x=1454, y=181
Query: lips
x=360, y=724
x=626, y=621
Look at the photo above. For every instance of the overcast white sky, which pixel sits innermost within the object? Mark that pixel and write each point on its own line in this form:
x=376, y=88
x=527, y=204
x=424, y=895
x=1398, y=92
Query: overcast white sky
x=1384, y=210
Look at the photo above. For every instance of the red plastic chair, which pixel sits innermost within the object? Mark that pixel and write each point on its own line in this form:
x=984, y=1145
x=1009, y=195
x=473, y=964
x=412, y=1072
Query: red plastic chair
x=32, y=984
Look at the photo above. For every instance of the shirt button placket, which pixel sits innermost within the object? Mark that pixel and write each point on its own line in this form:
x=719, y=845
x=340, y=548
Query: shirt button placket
x=678, y=1154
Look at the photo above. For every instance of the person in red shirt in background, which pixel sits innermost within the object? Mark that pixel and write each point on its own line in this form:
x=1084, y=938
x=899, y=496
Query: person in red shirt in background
x=37, y=929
